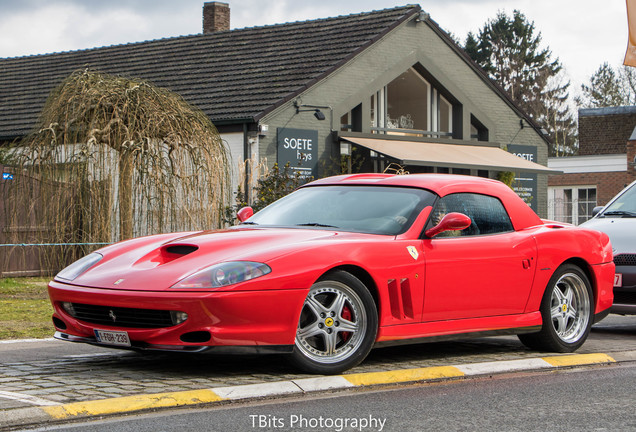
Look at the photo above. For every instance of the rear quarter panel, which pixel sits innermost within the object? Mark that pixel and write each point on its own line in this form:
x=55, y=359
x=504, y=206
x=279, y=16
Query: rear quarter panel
x=591, y=250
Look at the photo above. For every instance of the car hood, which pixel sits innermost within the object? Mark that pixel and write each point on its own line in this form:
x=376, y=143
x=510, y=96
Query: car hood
x=621, y=231
x=149, y=264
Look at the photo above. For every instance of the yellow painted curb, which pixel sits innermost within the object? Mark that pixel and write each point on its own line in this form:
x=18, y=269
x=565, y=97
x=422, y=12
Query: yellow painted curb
x=579, y=359
x=406, y=375
x=131, y=403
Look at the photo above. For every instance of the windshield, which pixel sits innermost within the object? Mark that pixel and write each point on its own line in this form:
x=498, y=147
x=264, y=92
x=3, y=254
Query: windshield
x=624, y=205
x=369, y=209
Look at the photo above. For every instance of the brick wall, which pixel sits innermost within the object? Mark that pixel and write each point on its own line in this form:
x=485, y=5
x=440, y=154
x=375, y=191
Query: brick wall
x=607, y=184
x=607, y=131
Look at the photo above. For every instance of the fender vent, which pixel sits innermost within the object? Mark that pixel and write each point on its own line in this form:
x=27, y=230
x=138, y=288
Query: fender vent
x=400, y=298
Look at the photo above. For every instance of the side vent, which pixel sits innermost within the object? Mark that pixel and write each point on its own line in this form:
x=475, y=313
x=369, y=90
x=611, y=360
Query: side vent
x=395, y=298
x=401, y=299
x=407, y=302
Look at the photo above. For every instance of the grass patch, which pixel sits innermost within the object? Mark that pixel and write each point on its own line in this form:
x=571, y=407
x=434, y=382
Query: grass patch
x=25, y=308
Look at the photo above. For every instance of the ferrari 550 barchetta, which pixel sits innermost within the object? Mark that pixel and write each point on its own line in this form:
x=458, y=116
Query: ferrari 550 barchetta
x=344, y=264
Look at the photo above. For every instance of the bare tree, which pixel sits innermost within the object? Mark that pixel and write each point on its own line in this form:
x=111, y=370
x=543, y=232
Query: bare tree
x=129, y=159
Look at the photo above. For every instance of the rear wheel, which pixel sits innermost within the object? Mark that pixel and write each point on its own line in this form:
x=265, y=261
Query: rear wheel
x=566, y=310
x=337, y=327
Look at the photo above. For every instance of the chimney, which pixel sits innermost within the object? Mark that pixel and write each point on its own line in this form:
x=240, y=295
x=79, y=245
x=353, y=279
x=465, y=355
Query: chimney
x=216, y=17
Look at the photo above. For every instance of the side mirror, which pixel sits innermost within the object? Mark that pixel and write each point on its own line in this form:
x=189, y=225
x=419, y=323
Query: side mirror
x=450, y=222
x=245, y=213
x=596, y=210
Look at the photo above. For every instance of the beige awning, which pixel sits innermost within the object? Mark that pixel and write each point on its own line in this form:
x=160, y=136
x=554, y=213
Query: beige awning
x=449, y=155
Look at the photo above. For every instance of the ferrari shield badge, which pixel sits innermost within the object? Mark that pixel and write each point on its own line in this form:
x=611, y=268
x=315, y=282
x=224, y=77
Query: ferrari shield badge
x=414, y=253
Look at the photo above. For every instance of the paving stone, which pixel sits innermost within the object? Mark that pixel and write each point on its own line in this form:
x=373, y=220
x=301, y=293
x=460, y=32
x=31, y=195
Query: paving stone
x=58, y=398
x=90, y=393
x=40, y=392
x=81, y=387
x=15, y=373
x=48, y=384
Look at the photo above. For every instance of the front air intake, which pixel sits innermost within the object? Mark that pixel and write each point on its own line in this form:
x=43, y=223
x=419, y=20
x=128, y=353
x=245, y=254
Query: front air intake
x=196, y=337
x=122, y=317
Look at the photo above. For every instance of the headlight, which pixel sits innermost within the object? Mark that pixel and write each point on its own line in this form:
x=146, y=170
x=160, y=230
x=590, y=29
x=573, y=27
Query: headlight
x=79, y=267
x=224, y=274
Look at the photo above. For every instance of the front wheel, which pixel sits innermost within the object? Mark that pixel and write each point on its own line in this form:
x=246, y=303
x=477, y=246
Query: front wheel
x=337, y=327
x=566, y=310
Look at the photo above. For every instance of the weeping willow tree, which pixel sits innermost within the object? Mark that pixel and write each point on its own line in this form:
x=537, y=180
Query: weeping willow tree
x=112, y=159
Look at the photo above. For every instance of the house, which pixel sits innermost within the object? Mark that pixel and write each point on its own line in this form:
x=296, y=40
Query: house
x=387, y=86
x=603, y=167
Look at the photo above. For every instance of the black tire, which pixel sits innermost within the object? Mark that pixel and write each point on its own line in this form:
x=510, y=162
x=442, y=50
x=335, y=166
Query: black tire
x=337, y=327
x=567, y=311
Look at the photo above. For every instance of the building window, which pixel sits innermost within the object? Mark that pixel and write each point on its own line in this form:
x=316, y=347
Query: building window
x=352, y=121
x=571, y=204
x=344, y=123
x=410, y=105
x=478, y=132
x=444, y=115
x=461, y=171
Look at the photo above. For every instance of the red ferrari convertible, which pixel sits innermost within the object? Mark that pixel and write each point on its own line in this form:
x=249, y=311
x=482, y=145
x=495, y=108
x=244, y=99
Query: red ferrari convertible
x=344, y=264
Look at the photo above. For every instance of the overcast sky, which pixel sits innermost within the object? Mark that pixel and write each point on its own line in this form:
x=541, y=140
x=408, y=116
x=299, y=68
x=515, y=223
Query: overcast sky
x=581, y=33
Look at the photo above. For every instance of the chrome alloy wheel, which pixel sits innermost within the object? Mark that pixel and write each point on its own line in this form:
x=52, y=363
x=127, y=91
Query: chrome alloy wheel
x=333, y=323
x=570, y=307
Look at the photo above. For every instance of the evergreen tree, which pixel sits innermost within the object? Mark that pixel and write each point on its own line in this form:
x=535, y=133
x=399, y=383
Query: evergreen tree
x=609, y=87
x=510, y=52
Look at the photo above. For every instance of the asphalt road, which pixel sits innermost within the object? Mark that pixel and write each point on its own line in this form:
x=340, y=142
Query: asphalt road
x=586, y=399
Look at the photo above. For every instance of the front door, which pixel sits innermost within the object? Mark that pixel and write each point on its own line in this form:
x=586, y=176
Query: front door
x=485, y=270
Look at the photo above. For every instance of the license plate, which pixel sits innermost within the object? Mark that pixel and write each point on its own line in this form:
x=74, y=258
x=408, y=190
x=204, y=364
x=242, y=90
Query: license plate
x=618, y=280
x=116, y=338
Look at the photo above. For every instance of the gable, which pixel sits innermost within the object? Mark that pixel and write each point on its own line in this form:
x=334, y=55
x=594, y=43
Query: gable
x=420, y=45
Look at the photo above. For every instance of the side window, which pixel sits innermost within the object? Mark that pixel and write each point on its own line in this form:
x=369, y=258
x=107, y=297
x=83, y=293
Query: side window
x=487, y=214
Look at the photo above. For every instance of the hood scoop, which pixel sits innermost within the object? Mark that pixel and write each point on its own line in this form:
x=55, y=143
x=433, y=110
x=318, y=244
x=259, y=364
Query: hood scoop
x=164, y=255
x=179, y=249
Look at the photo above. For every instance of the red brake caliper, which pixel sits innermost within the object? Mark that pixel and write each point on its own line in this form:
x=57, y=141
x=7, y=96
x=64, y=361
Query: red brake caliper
x=346, y=314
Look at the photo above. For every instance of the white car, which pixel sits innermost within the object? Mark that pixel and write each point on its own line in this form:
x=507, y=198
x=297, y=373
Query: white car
x=618, y=220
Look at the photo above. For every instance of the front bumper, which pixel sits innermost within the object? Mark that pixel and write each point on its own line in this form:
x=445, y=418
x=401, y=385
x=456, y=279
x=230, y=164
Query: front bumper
x=258, y=320
x=141, y=346
x=603, y=274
